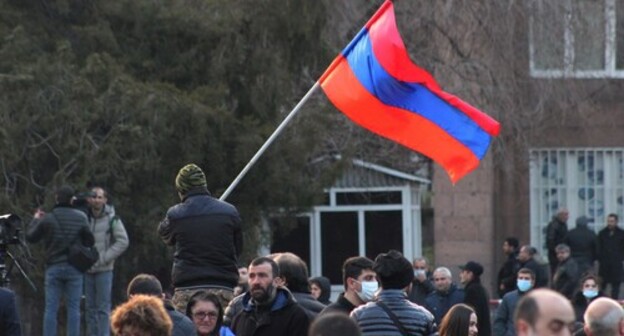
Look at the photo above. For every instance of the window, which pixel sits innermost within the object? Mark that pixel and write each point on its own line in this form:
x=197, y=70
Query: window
x=576, y=38
x=352, y=221
x=588, y=182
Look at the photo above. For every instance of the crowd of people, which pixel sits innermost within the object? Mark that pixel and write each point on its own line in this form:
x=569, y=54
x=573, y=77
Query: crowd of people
x=215, y=296
x=581, y=266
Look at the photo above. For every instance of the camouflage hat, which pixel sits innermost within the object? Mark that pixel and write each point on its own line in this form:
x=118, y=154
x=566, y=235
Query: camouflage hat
x=189, y=177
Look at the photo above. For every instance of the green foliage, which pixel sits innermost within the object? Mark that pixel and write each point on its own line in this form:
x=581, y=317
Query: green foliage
x=124, y=93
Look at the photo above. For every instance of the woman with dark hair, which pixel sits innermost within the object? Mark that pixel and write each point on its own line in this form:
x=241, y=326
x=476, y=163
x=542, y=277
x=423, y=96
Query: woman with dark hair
x=206, y=312
x=460, y=320
x=589, y=291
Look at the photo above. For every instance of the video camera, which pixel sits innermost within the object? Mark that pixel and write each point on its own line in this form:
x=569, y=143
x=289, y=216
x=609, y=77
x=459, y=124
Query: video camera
x=81, y=201
x=10, y=226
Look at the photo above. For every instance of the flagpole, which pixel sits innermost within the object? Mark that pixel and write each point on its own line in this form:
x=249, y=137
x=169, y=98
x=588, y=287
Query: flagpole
x=269, y=141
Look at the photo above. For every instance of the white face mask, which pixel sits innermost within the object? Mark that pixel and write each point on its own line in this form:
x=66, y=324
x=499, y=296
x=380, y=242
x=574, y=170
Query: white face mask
x=368, y=290
x=419, y=273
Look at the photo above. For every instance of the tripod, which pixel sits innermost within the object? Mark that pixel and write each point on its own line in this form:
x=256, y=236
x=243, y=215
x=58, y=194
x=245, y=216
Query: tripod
x=6, y=271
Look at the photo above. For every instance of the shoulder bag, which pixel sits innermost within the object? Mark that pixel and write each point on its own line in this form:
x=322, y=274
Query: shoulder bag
x=78, y=255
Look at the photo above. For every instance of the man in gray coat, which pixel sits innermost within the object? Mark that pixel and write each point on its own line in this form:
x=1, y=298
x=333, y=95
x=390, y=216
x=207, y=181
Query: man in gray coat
x=111, y=240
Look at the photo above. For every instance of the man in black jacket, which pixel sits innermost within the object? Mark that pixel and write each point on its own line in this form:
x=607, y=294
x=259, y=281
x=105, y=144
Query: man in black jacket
x=611, y=255
x=555, y=233
x=582, y=242
x=268, y=309
x=294, y=276
x=206, y=233
x=476, y=296
x=421, y=285
x=59, y=229
x=565, y=280
x=360, y=285
x=507, y=273
x=527, y=257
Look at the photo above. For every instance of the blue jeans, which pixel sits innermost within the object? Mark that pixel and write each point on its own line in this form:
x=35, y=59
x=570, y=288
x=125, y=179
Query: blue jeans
x=62, y=280
x=98, y=294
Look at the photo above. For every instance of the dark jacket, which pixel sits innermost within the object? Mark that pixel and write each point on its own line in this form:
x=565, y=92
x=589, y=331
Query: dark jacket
x=580, y=304
x=9, y=318
x=555, y=233
x=541, y=272
x=439, y=303
x=234, y=307
x=582, y=243
x=566, y=278
x=305, y=300
x=476, y=297
x=373, y=320
x=283, y=318
x=59, y=229
x=311, y=306
x=611, y=254
x=420, y=291
x=504, y=318
x=182, y=325
x=325, y=286
x=507, y=274
x=206, y=233
x=342, y=305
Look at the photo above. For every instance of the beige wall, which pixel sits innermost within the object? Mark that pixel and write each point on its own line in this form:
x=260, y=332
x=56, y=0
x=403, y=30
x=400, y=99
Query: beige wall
x=463, y=221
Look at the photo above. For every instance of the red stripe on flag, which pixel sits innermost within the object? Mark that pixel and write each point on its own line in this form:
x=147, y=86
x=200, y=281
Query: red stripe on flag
x=391, y=53
x=407, y=128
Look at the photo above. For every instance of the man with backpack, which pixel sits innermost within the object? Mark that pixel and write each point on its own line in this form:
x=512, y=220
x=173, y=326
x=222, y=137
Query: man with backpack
x=111, y=240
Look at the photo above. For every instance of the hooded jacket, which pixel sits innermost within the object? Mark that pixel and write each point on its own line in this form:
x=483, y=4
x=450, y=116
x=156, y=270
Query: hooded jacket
x=284, y=317
x=111, y=239
x=325, y=287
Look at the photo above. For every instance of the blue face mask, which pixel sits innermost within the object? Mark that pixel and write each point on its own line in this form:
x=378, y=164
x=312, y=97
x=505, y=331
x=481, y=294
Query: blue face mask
x=590, y=293
x=524, y=285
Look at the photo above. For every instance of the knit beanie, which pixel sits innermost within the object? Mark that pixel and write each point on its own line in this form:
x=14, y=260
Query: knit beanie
x=393, y=270
x=189, y=177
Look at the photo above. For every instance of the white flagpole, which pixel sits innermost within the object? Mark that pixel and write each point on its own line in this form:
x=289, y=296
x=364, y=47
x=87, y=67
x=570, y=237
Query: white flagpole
x=269, y=141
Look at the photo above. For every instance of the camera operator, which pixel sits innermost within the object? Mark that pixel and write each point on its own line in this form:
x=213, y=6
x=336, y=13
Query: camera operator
x=111, y=240
x=59, y=229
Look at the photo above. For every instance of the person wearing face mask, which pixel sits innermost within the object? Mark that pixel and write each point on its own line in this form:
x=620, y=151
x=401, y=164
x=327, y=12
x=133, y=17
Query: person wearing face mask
x=392, y=314
x=360, y=286
x=503, y=320
x=588, y=292
x=421, y=285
